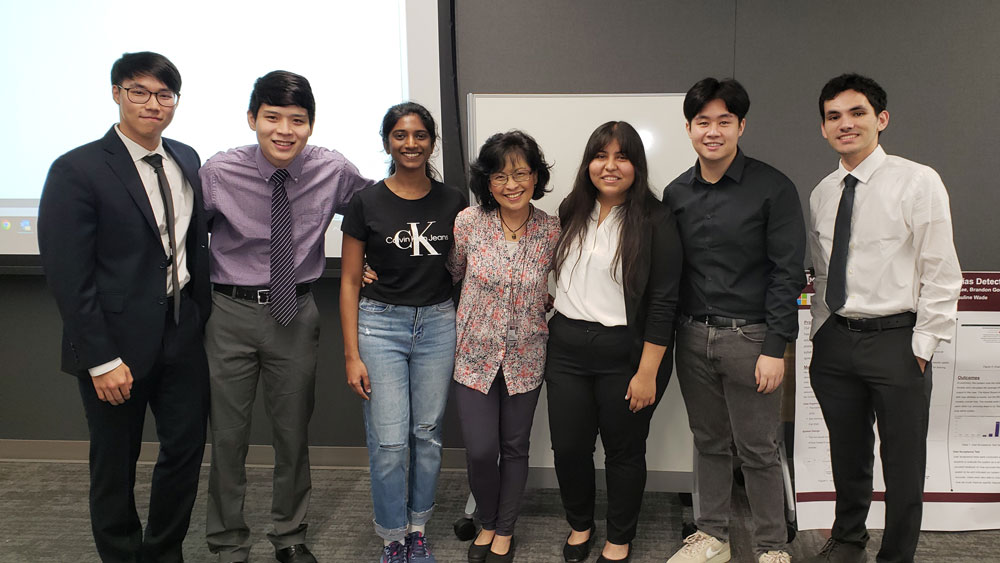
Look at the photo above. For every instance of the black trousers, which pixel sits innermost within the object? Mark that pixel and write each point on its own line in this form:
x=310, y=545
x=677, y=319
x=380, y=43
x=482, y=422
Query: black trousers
x=496, y=426
x=176, y=390
x=861, y=378
x=587, y=372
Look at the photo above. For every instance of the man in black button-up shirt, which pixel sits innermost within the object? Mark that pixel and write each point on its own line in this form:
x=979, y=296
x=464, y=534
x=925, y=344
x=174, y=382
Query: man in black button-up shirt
x=741, y=225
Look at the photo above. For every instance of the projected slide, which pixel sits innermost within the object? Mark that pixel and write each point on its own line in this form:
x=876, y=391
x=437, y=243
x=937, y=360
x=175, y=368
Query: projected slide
x=56, y=58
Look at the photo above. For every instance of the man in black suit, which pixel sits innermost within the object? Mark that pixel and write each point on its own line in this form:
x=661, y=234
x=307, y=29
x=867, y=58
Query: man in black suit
x=124, y=245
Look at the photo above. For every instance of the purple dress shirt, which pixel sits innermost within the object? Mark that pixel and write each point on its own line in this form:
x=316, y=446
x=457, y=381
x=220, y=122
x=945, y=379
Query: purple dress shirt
x=237, y=199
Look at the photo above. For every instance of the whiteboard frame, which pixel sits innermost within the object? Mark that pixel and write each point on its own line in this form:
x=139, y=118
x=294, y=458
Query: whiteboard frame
x=670, y=445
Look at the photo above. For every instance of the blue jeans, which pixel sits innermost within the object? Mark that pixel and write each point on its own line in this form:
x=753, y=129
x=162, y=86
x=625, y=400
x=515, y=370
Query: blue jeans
x=410, y=356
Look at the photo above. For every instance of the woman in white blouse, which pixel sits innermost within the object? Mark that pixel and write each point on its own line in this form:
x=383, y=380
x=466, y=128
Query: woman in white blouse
x=617, y=267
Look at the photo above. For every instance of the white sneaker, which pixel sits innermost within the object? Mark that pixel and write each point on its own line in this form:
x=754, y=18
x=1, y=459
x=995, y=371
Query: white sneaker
x=700, y=547
x=775, y=557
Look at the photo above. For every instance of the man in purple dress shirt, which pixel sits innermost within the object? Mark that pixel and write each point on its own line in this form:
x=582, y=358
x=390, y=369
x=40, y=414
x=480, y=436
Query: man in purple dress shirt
x=277, y=185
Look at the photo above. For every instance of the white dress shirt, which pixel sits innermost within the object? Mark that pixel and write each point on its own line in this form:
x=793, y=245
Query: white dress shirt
x=901, y=255
x=587, y=288
x=183, y=196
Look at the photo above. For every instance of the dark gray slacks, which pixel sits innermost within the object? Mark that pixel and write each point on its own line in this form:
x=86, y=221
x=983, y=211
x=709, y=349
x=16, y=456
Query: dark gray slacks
x=246, y=345
x=861, y=378
x=496, y=426
x=176, y=391
x=715, y=369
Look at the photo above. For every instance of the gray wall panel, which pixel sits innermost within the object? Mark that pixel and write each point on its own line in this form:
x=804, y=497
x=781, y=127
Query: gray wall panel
x=937, y=62
x=590, y=46
x=38, y=402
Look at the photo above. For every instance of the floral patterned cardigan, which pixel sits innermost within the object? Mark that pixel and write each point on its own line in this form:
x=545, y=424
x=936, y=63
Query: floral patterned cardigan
x=501, y=289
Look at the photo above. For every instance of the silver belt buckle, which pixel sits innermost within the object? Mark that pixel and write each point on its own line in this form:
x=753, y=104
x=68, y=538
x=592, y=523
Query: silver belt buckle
x=263, y=296
x=855, y=328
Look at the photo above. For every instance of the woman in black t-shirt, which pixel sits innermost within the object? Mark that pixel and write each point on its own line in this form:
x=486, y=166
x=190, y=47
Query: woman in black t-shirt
x=399, y=333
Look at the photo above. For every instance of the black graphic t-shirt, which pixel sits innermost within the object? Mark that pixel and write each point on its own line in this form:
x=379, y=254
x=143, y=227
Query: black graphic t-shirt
x=406, y=242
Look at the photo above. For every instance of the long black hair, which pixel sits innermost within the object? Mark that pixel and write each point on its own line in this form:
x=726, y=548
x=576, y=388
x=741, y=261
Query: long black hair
x=399, y=111
x=639, y=204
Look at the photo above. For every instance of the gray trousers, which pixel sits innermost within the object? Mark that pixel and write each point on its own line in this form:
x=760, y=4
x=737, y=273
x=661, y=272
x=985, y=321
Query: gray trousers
x=496, y=426
x=246, y=345
x=715, y=369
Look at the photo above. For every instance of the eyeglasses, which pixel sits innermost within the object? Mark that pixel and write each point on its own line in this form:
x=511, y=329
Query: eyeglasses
x=140, y=95
x=500, y=179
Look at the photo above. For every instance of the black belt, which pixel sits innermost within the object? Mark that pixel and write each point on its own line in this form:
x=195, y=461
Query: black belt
x=259, y=295
x=724, y=322
x=589, y=326
x=898, y=320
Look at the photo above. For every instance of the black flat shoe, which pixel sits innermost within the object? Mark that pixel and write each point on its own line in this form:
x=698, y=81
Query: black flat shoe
x=628, y=557
x=578, y=552
x=505, y=558
x=478, y=553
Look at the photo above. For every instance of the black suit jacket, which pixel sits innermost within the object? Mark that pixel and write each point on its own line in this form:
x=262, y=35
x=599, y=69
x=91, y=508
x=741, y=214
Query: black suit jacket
x=651, y=306
x=104, y=259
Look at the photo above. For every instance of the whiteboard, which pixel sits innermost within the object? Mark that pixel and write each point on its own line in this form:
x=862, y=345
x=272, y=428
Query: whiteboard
x=562, y=123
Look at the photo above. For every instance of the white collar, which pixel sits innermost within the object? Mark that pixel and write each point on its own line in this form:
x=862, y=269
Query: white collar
x=137, y=151
x=863, y=172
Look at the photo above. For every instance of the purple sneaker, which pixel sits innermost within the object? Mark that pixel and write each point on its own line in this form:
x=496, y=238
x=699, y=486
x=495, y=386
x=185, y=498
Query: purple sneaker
x=418, y=549
x=395, y=552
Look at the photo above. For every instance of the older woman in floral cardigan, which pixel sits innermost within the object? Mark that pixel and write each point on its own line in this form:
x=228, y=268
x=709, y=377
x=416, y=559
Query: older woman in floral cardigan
x=503, y=249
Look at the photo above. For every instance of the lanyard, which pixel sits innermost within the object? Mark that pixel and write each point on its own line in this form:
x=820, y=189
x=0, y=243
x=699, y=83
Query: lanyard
x=511, y=339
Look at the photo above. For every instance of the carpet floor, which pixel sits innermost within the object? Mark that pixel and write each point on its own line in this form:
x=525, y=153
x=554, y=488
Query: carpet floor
x=44, y=518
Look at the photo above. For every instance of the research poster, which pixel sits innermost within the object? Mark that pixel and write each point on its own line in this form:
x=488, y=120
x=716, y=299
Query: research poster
x=962, y=490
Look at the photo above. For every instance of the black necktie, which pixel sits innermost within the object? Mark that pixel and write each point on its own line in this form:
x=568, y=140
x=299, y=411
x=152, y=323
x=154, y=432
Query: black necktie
x=282, y=296
x=836, y=283
x=156, y=161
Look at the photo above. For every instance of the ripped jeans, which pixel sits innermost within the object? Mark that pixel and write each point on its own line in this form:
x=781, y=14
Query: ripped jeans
x=410, y=355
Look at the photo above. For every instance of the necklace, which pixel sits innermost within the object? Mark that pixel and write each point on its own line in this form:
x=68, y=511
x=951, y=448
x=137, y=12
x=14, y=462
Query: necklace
x=513, y=232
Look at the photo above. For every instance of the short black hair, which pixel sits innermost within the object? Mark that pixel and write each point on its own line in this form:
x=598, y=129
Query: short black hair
x=731, y=92
x=499, y=149
x=282, y=88
x=146, y=63
x=853, y=81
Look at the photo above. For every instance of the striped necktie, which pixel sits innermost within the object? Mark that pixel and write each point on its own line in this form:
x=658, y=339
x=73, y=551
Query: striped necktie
x=282, y=295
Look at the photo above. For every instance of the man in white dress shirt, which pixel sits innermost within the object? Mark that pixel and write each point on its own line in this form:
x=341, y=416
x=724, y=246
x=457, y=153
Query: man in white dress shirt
x=887, y=285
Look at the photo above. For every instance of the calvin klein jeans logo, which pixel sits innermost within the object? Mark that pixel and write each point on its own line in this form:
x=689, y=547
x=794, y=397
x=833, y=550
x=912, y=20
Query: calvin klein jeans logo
x=416, y=239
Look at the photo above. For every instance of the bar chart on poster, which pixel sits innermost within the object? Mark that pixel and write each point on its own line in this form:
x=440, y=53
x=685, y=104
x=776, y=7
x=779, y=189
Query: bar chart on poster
x=962, y=487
